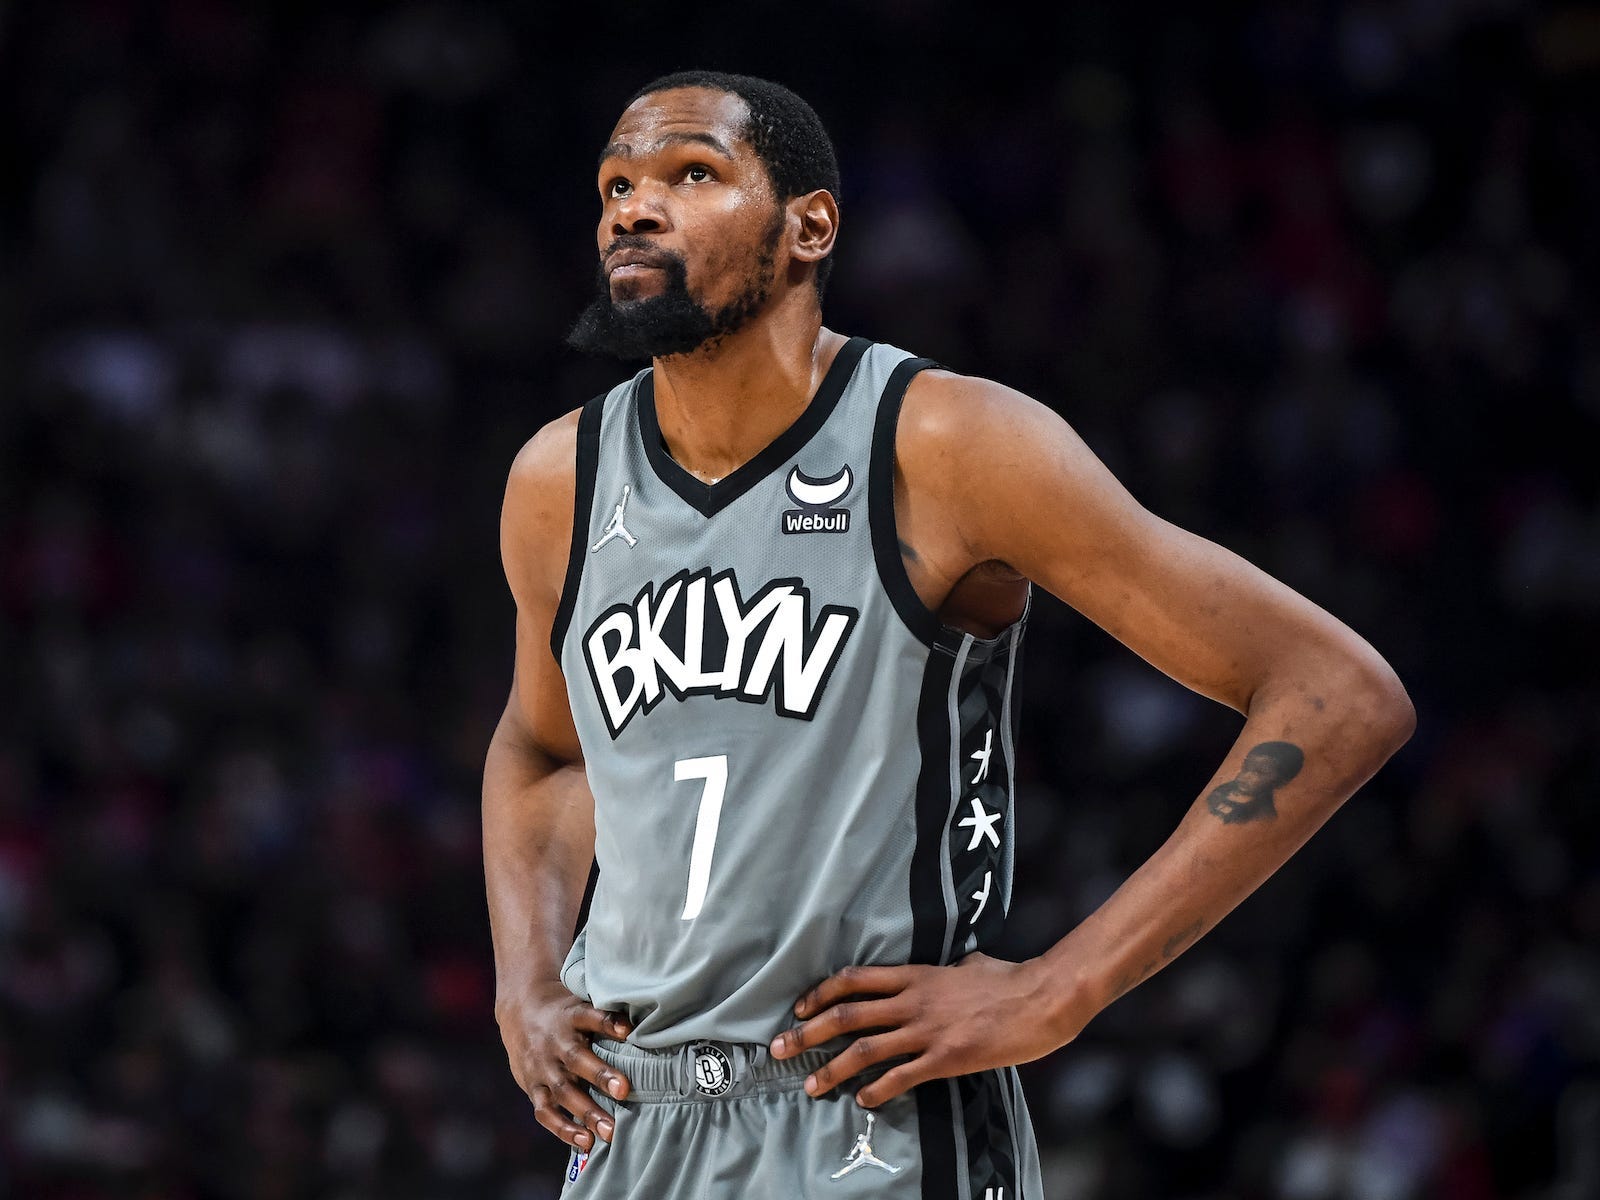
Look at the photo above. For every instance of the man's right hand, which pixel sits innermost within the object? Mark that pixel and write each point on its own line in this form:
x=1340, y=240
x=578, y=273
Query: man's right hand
x=547, y=1031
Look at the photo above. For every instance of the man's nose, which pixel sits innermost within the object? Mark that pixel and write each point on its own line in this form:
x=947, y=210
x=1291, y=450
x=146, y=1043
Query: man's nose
x=638, y=212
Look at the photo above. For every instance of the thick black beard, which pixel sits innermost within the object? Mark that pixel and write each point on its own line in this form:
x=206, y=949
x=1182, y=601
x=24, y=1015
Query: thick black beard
x=673, y=322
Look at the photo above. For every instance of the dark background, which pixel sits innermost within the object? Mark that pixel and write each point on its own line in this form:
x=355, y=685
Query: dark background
x=282, y=294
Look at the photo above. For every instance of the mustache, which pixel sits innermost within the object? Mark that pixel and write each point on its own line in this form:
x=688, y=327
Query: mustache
x=638, y=241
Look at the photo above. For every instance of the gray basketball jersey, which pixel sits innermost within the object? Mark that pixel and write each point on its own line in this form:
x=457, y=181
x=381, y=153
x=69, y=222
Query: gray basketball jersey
x=795, y=766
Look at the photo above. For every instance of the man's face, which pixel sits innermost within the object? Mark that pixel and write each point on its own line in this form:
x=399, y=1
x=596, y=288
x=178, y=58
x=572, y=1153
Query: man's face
x=689, y=228
x=1257, y=773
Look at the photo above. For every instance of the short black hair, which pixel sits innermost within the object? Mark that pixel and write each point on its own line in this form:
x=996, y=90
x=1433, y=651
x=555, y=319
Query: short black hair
x=785, y=132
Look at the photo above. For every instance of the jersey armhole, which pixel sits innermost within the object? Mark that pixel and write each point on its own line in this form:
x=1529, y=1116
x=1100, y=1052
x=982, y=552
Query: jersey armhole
x=918, y=617
x=588, y=465
x=922, y=622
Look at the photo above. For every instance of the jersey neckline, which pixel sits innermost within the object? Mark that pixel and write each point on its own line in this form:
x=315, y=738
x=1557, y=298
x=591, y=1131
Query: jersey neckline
x=708, y=499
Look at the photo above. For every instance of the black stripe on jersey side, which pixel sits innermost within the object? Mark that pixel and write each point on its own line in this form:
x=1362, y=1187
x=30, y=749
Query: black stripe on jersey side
x=980, y=703
x=936, y=1133
x=708, y=499
x=990, y=1147
x=582, y=506
x=1011, y=715
x=1011, y=1097
x=880, y=508
x=928, y=909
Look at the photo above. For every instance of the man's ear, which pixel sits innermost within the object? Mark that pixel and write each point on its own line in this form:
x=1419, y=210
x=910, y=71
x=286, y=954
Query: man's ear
x=814, y=220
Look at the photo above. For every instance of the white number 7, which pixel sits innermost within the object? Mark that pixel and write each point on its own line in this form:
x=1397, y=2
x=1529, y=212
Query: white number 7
x=714, y=770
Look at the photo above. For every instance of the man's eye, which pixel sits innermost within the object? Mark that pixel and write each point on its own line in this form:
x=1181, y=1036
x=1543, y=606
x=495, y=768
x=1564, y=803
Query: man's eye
x=698, y=173
x=618, y=188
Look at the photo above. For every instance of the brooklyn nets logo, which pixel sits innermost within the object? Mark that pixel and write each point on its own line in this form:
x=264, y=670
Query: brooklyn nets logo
x=713, y=1073
x=695, y=635
x=816, y=498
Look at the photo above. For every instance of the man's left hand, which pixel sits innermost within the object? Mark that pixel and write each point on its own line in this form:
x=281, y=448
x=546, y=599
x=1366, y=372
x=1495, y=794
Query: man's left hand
x=978, y=1014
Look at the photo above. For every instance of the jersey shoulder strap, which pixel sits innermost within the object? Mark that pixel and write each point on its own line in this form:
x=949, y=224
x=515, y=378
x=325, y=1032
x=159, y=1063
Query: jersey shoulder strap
x=880, y=505
x=588, y=465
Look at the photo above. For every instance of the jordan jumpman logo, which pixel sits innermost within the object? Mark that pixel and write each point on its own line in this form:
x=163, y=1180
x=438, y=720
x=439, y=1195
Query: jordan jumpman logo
x=615, y=528
x=861, y=1154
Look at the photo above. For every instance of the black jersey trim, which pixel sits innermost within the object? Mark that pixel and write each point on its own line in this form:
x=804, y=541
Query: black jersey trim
x=979, y=704
x=930, y=915
x=991, y=1167
x=880, y=507
x=588, y=464
x=923, y=622
x=708, y=499
x=936, y=1131
x=965, y=1127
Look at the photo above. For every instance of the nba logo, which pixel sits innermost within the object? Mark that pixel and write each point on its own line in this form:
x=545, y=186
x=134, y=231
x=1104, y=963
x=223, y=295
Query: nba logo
x=575, y=1168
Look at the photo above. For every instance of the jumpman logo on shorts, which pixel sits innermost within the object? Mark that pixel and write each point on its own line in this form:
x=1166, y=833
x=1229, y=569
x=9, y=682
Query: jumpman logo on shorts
x=615, y=528
x=861, y=1154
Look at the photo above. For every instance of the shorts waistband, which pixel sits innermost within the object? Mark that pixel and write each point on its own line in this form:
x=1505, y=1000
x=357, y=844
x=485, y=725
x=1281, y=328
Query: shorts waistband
x=707, y=1070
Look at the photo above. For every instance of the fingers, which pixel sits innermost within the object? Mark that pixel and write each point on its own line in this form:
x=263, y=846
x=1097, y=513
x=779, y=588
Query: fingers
x=583, y=1062
x=569, y=1112
x=549, y=1114
x=860, y=1054
x=896, y=1082
x=849, y=1017
x=853, y=981
x=581, y=1105
x=607, y=1024
x=562, y=1063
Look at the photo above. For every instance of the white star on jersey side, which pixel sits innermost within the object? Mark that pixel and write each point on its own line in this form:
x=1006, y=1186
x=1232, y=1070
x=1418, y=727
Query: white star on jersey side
x=982, y=756
x=982, y=897
x=982, y=823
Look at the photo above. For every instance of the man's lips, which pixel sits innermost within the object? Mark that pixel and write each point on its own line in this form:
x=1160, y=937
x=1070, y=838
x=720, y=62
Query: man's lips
x=625, y=263
x=632, y=270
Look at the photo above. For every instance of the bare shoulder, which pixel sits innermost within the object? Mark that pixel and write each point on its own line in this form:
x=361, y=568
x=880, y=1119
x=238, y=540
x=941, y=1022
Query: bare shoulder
x=546, y=462
x=938, y=395
x=981, y=453
x=536, y=517
x=994, y=465
x=951, y=420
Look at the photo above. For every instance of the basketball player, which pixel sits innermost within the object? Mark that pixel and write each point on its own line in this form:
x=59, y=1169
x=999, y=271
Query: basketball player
x=770, y=594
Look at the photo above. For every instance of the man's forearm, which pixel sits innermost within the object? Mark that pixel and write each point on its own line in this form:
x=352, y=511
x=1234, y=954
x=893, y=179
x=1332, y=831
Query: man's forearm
x=1303, y=751
x=538, y=844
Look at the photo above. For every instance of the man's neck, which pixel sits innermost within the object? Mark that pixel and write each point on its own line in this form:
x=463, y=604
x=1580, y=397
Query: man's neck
x=719, y=408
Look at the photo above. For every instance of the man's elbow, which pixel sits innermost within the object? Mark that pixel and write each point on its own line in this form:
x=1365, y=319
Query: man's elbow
x=1386, y=708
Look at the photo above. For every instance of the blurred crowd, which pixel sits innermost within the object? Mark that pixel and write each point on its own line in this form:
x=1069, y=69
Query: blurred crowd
x=282, y=290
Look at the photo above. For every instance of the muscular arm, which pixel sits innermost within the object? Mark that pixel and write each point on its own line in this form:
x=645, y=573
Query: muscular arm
x=1323, y=710
x=988, y=476
x=538, y=815
x=538, y=842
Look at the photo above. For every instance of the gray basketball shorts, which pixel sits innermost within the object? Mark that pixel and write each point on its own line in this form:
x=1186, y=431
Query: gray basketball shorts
x=717, y=1120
